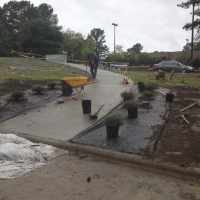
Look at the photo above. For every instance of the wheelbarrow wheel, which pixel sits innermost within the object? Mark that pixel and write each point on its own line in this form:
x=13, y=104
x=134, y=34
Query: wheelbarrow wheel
x=67, y=90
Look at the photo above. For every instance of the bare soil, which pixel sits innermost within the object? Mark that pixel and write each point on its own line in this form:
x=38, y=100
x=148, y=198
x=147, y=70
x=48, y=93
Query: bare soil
x=86, y=178
x=178, y=142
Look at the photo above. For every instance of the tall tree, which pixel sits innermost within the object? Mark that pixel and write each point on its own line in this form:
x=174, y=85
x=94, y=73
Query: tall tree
x=187, y=47
x=72, y=42
x=186, y=5
x=76, y=44
x=119, y=49
x=32, y=27
x=45, y=12
x=137, y=48
x=195, y=23
x=5, y=38
x=98, y=36
x=15, y=12
x=119, y=56
x=40, y=35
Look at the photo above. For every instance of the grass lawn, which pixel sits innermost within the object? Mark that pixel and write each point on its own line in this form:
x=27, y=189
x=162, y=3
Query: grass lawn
x=22, y=69
x=187, y=79
x=34, y=69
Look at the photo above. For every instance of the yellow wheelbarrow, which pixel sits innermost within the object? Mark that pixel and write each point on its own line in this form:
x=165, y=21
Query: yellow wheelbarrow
x=160, y=75
x=68, y=83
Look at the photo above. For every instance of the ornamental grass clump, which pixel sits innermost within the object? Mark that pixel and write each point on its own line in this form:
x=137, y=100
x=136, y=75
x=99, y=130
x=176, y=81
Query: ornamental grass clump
x=131, y=104
x=52, y=85
x=151, y=86
x=148, y=93
x=114, y=121
x=38, y=89
x=127, y=95
x=18, y=95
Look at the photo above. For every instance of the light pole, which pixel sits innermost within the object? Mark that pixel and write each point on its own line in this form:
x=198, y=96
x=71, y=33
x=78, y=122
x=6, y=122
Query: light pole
x=114, y=35
x=192, y=45
x=187, y=43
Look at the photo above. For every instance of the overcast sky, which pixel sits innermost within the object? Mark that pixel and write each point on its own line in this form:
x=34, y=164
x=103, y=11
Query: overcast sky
x=155, y=24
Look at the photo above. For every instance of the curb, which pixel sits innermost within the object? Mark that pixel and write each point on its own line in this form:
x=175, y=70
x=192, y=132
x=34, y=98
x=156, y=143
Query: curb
x=117, y=157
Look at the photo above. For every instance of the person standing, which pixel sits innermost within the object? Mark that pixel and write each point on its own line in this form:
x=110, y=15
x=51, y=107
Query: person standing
x=93, y=63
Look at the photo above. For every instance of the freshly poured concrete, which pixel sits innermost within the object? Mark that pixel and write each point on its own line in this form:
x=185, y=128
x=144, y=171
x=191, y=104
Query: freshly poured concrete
x=64, y=121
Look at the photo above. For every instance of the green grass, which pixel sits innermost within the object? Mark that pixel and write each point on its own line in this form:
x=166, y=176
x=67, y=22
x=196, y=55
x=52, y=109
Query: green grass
x=36, y=70
x=43, y=70
x=11, y=61
x=191, y=79
x=41, y=63
x=4, y=61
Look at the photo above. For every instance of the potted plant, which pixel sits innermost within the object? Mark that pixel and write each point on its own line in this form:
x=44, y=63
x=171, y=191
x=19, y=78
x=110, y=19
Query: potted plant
x=148, y=94
x=151, y=86
x=132, y=107
x=113, y=122
x=127, y=95
x=141, y=87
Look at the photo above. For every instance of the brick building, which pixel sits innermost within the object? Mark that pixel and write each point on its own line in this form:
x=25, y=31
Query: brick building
x=173, y=55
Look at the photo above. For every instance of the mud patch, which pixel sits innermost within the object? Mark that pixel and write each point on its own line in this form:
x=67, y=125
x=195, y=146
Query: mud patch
x=10, y=108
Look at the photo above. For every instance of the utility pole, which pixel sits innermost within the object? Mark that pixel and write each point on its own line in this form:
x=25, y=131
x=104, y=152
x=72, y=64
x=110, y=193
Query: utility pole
x=192, y=45
x=114, y=35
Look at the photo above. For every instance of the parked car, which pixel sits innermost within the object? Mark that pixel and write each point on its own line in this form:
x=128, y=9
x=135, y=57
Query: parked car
x=170, y=65
x=100, y=66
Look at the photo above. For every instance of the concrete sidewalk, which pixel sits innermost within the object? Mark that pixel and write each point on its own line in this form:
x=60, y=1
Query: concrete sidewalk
x=63, y=121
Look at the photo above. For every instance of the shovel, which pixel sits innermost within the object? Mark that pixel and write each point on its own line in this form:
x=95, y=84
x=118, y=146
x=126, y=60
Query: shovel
x=95, y=115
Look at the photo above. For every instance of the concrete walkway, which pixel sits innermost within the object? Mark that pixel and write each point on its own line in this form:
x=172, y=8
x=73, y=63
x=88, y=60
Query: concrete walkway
x=63, y=121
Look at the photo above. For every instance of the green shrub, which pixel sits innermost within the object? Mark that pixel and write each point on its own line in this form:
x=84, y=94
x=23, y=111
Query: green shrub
x=130, y=104
x=16, y=96
x=38, y=89
x=114, y=120
x=127, y=95
x=52, y=85
x=148, y=93
x=151, y=86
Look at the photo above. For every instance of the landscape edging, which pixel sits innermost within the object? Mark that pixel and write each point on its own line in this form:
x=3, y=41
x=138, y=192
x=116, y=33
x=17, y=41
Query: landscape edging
x=117, y=157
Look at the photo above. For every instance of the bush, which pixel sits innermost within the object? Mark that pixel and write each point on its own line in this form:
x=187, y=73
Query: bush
x=114, y=120
x=38, y=89
x=127, y=95
x=196, y=63
x=130, y=104
x=17, y=95
x=52, y=85
x=151, y=86
x=148, y=93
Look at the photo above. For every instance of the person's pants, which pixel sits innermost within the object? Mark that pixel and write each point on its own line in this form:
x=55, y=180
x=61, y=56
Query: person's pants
x=93, y=70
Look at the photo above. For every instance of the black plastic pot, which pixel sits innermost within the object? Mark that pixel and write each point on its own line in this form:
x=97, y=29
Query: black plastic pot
x=133, y=113
x=112, y=131
x=141, y=88
x=169, y=97
x=140, y=84
x=86, y=105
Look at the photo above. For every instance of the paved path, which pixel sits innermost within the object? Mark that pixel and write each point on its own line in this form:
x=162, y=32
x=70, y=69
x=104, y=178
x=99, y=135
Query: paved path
x=64, y=121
